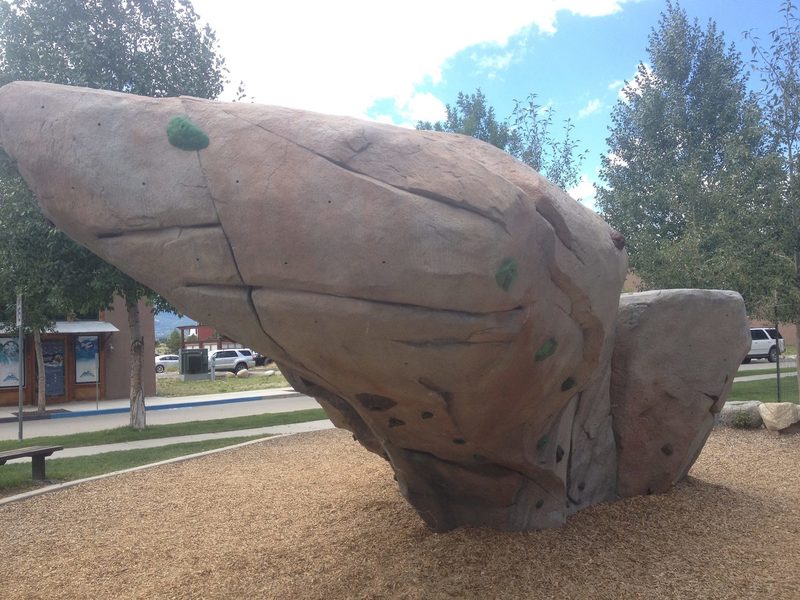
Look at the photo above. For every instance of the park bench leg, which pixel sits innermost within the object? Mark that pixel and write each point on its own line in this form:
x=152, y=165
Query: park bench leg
x=38, y=467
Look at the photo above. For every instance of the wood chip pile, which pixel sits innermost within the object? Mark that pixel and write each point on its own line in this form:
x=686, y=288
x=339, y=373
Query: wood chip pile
x=314, y=516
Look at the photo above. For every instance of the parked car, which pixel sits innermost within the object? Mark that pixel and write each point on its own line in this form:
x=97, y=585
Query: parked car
x=232, y=359
x=261, y=360
x=766, y=343
x=167, y=360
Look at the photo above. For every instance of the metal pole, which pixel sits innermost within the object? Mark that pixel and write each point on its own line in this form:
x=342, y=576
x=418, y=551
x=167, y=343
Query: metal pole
x=97, y=375
x=778, y=348
x=20, y=365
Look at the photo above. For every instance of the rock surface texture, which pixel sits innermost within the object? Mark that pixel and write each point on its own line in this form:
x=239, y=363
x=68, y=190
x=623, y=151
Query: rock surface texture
x=780, y=416
x=669, y=379
x=741, y=414
x=442, y=301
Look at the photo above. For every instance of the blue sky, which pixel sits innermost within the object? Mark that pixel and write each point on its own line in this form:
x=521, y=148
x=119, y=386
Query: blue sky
x=400, y=62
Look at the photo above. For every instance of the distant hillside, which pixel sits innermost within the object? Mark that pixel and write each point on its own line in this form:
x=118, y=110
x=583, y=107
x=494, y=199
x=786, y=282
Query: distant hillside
x=167, y=321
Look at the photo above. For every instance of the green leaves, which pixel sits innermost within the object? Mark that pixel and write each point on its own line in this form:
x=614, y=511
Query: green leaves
x=690, y=180
x=526, y=135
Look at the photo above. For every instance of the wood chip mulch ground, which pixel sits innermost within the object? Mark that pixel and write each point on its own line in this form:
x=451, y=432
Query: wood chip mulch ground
x=315, y=516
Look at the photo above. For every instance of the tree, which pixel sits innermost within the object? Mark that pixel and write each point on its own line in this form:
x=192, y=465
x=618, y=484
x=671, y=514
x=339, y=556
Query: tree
x=779, y=68
x=173, y=341
x=533, y=143
x=526, y=134
x=691, y=181
x=54, y=275
x=146, y=47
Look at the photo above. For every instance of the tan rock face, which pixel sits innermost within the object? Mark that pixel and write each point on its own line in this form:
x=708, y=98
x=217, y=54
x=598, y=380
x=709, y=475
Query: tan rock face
x=778, y=416
x=442, y=301
x=675, y=357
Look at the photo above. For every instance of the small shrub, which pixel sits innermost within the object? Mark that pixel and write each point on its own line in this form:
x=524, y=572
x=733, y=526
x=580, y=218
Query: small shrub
x=741, y=420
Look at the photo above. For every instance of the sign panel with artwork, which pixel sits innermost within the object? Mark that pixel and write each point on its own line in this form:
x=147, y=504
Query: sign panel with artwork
x=53, y=353
x=9, y=362
x=87, y=348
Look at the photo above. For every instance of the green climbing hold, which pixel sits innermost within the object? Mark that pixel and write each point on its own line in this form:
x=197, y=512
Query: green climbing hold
x=184, y=134
x=541, y=443
x=507, y=273
x=539, y=503
x=569, y=383
x=546, y=349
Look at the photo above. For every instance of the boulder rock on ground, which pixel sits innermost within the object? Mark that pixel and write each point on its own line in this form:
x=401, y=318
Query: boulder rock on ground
x=675, y=357
x=741, y=414
x=779, y=416
x=441, y=300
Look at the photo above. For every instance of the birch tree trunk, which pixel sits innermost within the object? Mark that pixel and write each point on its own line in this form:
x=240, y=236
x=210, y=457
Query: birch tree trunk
x=136, y=362
x=41, y=383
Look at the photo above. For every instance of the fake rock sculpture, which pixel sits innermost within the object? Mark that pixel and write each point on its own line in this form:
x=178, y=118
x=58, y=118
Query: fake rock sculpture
x=442, y=301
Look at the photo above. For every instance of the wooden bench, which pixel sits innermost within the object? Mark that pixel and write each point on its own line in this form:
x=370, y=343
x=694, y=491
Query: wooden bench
x=37, y=454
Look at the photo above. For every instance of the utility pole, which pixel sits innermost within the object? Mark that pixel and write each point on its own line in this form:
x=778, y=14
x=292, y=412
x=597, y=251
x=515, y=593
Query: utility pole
x=20, y=365
x=778, y=348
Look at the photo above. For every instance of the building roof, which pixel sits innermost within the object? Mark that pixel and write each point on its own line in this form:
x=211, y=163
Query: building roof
x=84, y=327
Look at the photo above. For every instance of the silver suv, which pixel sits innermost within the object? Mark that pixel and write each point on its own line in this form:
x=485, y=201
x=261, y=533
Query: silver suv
x=231, y=359
x=765, y=344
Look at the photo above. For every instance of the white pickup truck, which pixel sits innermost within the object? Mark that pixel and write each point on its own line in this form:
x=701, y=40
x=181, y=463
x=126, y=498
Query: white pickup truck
x=764, y=344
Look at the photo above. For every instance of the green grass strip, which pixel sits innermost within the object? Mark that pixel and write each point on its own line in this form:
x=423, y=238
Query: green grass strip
x=126, y=434
x=172, y=386
x=16, y=477
x=764, y=390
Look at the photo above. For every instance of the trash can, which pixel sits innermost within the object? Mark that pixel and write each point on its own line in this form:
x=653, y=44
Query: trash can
x=194, y=363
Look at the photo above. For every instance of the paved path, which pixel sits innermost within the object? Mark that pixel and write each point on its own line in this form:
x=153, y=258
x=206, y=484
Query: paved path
x=764, y=376
x=185, y=439
x=176, y=410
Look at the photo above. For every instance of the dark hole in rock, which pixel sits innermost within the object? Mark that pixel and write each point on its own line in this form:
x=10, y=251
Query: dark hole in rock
x=393, y=422
x=667, y=449
x=569, y=383
x=581, y=486
x=479, y=458
x=559, y=453
x=427, y=415
x=541, y=443
x=375, y=402
x=539, y=503
x=459, y=441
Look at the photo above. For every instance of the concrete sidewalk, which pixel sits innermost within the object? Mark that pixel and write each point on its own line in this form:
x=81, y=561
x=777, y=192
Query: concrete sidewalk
x=764, y=376
x=185, y=439
x=82, y=416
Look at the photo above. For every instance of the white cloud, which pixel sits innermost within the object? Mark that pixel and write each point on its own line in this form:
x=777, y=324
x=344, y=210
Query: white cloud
x=584, y=191
x=340, y=57
x=492, y=62
x=616, y=160
x=616, y=85
x=591, y=107
x=633, y=84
